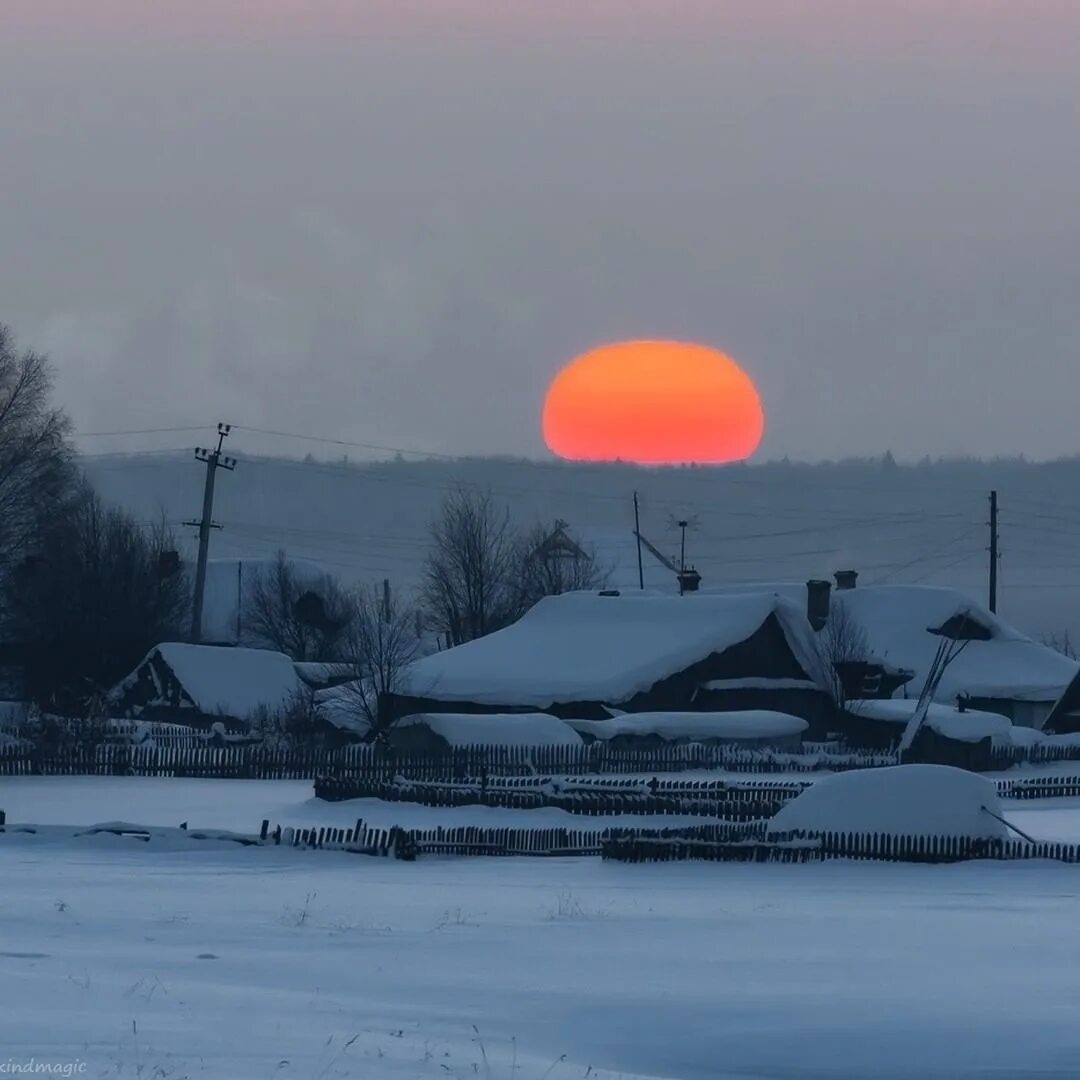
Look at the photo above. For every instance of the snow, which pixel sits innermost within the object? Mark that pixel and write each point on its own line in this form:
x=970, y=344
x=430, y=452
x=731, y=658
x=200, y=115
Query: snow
x=907, y=800
x=233, y=963
x=495, y=729
x=587, y=647
x=748, y=724
x=234, y=682
x=1072, y=739
x=968, y=726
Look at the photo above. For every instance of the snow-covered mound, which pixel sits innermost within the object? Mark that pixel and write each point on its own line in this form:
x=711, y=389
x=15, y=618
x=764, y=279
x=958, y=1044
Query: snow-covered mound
x=748, y=724
x=904, y=800
x=495, y=729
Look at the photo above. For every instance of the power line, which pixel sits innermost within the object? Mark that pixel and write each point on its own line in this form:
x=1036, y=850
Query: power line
x=143, y=431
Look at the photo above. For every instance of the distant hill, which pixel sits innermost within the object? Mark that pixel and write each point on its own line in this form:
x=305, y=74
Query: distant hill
x=913, y=523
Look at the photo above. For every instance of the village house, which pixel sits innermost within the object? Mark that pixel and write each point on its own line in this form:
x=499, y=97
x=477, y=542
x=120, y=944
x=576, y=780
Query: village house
x=581, y=654
x=200, y=685
x=999, y=670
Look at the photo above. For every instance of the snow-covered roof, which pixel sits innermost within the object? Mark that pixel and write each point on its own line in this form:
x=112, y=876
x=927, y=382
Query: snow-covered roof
x=319, y=673
x=495, y=729
x=896, y=619
x=746, y=724
x=588, y=647
x=233, y=682
x=968, y=726
x=904, y=800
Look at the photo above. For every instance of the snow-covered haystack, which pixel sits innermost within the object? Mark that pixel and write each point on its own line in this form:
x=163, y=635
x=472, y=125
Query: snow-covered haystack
x=903, y=800
x=751, y=724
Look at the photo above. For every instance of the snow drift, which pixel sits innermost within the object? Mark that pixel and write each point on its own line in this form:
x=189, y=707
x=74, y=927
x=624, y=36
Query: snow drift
x=903, y=800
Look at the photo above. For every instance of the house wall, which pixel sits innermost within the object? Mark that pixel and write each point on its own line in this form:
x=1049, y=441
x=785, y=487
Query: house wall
x=813, y=706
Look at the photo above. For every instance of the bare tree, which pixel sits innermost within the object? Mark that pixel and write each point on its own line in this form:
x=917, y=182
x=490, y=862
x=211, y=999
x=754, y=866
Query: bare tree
x=842, y=641
x=549, y=563
x=304, y=616
x=469, y=586
x=1061, y=643
x=381, y=644
x=36, y=471
x=100, y=592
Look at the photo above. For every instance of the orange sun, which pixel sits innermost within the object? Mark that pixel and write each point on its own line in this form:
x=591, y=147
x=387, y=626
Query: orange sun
x=654, y=403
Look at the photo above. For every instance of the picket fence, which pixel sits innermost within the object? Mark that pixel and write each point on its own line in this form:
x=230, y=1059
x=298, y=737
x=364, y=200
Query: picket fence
x=1005, y=757
x=640, y=845
x=701, y=799
x=716, y=842
x=1039, y=787
x=377, y=763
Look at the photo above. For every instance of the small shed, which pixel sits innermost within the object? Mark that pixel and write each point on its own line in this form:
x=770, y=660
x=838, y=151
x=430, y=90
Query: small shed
x=442, y=732
x=202, y=684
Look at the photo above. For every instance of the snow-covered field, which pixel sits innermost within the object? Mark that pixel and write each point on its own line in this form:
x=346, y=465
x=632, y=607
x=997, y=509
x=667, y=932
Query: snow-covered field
x=263, y=963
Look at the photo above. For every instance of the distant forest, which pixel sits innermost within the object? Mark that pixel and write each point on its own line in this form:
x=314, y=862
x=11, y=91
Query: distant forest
x=783, y=520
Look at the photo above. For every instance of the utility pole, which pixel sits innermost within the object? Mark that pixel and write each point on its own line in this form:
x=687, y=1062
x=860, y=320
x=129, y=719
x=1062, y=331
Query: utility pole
x=386, y=600
x=637, y=534
x=994, y=554
x=213, y=459
x=682, y=553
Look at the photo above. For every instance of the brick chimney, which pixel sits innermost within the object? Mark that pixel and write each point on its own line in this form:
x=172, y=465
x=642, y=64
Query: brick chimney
x=846, y=579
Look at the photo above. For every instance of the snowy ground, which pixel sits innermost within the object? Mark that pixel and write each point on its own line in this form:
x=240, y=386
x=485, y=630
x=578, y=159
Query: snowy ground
x=271, y=963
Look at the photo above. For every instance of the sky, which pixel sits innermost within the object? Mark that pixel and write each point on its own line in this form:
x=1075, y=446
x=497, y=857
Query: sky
x=395, y=222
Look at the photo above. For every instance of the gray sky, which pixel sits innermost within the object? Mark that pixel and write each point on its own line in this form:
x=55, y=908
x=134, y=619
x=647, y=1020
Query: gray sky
x=396, y=227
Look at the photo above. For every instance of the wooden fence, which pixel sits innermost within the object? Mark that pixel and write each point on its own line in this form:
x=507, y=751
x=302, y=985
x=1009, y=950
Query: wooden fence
x=1039, y=787
x=670, y=845
x=714, y=842
x=381, y=764
x=1005, y=757
x=701, y=799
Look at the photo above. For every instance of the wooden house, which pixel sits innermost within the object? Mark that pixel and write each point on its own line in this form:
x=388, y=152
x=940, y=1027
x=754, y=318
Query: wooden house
x=580, y=654
x=199, y=685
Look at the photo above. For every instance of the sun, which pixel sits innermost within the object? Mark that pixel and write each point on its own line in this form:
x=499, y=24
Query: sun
x=653, y=403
